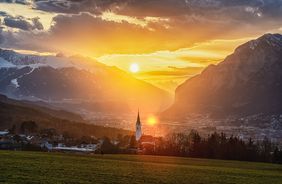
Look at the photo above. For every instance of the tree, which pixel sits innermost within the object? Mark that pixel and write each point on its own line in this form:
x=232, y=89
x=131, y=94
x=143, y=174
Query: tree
x=133, y=143
x=12, y=130
x=17, y=138
x=266, y=147
x=124, y=141
x=277, y=155
x=108, y=147
x=195, y=144
x=252, y=150
x=86, y=140
x=213, y=145
x=48, y=132
x=28, y=127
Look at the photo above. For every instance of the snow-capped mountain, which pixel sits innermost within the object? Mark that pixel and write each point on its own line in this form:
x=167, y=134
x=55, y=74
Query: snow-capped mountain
x=249, y=81
x=10, y=58
x=75, y=83
x=16, y=59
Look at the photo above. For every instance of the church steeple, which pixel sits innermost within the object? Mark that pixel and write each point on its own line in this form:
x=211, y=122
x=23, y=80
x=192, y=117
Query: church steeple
x=138, y=132
x=138, y=119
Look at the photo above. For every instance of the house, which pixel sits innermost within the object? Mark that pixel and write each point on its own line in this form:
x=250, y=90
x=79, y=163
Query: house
x=73, y=149
x=4, y=133
x=46, y=145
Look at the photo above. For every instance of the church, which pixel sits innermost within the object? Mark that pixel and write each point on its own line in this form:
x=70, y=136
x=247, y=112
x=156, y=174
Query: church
x=145, y=143
x=138, y=132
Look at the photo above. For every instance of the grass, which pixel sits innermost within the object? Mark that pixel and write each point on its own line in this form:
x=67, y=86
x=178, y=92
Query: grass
x=36, y=167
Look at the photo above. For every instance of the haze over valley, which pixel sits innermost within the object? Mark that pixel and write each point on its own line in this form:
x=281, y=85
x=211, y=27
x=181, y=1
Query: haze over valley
x=210, y=66
x=240, y=95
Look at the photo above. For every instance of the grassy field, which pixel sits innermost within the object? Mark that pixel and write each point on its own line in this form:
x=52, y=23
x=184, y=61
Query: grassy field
x=31, y=167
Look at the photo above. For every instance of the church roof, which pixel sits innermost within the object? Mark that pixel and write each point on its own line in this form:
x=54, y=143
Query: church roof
x=138, y=122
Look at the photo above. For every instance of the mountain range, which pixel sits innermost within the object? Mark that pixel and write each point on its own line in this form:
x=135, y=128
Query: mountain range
x=76, y=84
x=247, y=82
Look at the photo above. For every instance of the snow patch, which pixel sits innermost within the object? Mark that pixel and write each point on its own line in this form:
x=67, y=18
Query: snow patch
x=9, y=58
x=15, y=83
x=32, y=69
x=253, y=44
x=5, y=64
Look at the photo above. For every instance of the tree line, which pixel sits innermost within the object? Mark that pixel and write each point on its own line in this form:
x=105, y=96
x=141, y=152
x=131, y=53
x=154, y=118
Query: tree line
x=218, y=146
x=214, y=146
x=192, y=144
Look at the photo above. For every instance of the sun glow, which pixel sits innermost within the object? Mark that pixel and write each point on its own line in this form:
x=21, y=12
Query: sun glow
x=152, y=120
x=134, y=68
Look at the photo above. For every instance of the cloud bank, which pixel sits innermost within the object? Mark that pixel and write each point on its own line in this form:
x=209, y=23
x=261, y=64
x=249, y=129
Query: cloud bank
x=134, y=26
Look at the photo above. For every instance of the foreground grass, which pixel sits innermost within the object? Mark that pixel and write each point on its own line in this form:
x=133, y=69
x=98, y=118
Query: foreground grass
x=31, y=167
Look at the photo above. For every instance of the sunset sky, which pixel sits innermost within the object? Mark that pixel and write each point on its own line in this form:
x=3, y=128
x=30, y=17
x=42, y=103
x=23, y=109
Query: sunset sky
x=170, y=40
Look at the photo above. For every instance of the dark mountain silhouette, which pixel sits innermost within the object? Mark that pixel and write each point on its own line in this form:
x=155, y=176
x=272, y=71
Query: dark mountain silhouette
x=249, y=81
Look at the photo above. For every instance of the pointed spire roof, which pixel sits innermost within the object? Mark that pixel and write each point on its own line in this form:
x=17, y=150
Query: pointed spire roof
x=138, y=122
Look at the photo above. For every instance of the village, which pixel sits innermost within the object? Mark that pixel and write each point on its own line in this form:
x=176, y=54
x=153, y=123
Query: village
x=63, y=143
x=32, y=139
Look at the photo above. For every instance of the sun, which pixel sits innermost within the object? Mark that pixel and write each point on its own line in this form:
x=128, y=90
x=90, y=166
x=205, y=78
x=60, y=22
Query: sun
x=152, y=120
x=134, y=68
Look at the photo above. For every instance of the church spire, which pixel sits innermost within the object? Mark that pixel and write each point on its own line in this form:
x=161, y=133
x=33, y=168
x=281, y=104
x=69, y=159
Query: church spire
x=138, y=118
x=138, y=132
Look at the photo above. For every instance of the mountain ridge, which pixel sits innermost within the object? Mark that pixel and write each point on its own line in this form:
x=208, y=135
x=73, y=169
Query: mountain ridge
x=71, y=82
x=246, y=82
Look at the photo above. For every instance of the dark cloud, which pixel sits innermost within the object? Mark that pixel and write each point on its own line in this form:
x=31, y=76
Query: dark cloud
x=154, y=8
x=219, y=18
x=8, y=39
x=3, y=14
x=247, y=11
x=2, y=38
x=238, y=9
x=68, y=6
x=88, y=31
x=129, y=7
x=190, y=22
x=37, y=24
x=26, y=40
x=24, y=2
x=165, y=7
x=6, y=1
x=123, y=37
x=18, y=22
x=22, y=23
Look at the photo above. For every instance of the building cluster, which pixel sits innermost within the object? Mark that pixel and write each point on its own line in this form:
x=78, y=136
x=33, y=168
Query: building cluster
x=41, y=142
x=51, y=141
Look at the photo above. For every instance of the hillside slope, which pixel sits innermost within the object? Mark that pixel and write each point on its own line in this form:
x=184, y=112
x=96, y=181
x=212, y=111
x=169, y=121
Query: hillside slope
x=249, y=81
x=15, y=112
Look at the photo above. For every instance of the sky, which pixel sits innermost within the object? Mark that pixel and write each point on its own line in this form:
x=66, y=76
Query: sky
x=170, y=40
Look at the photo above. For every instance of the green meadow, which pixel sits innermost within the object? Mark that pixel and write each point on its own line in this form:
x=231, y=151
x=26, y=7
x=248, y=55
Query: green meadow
x=38, y=167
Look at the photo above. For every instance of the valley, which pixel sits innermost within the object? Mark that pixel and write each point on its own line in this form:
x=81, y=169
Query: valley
x=232, y=97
